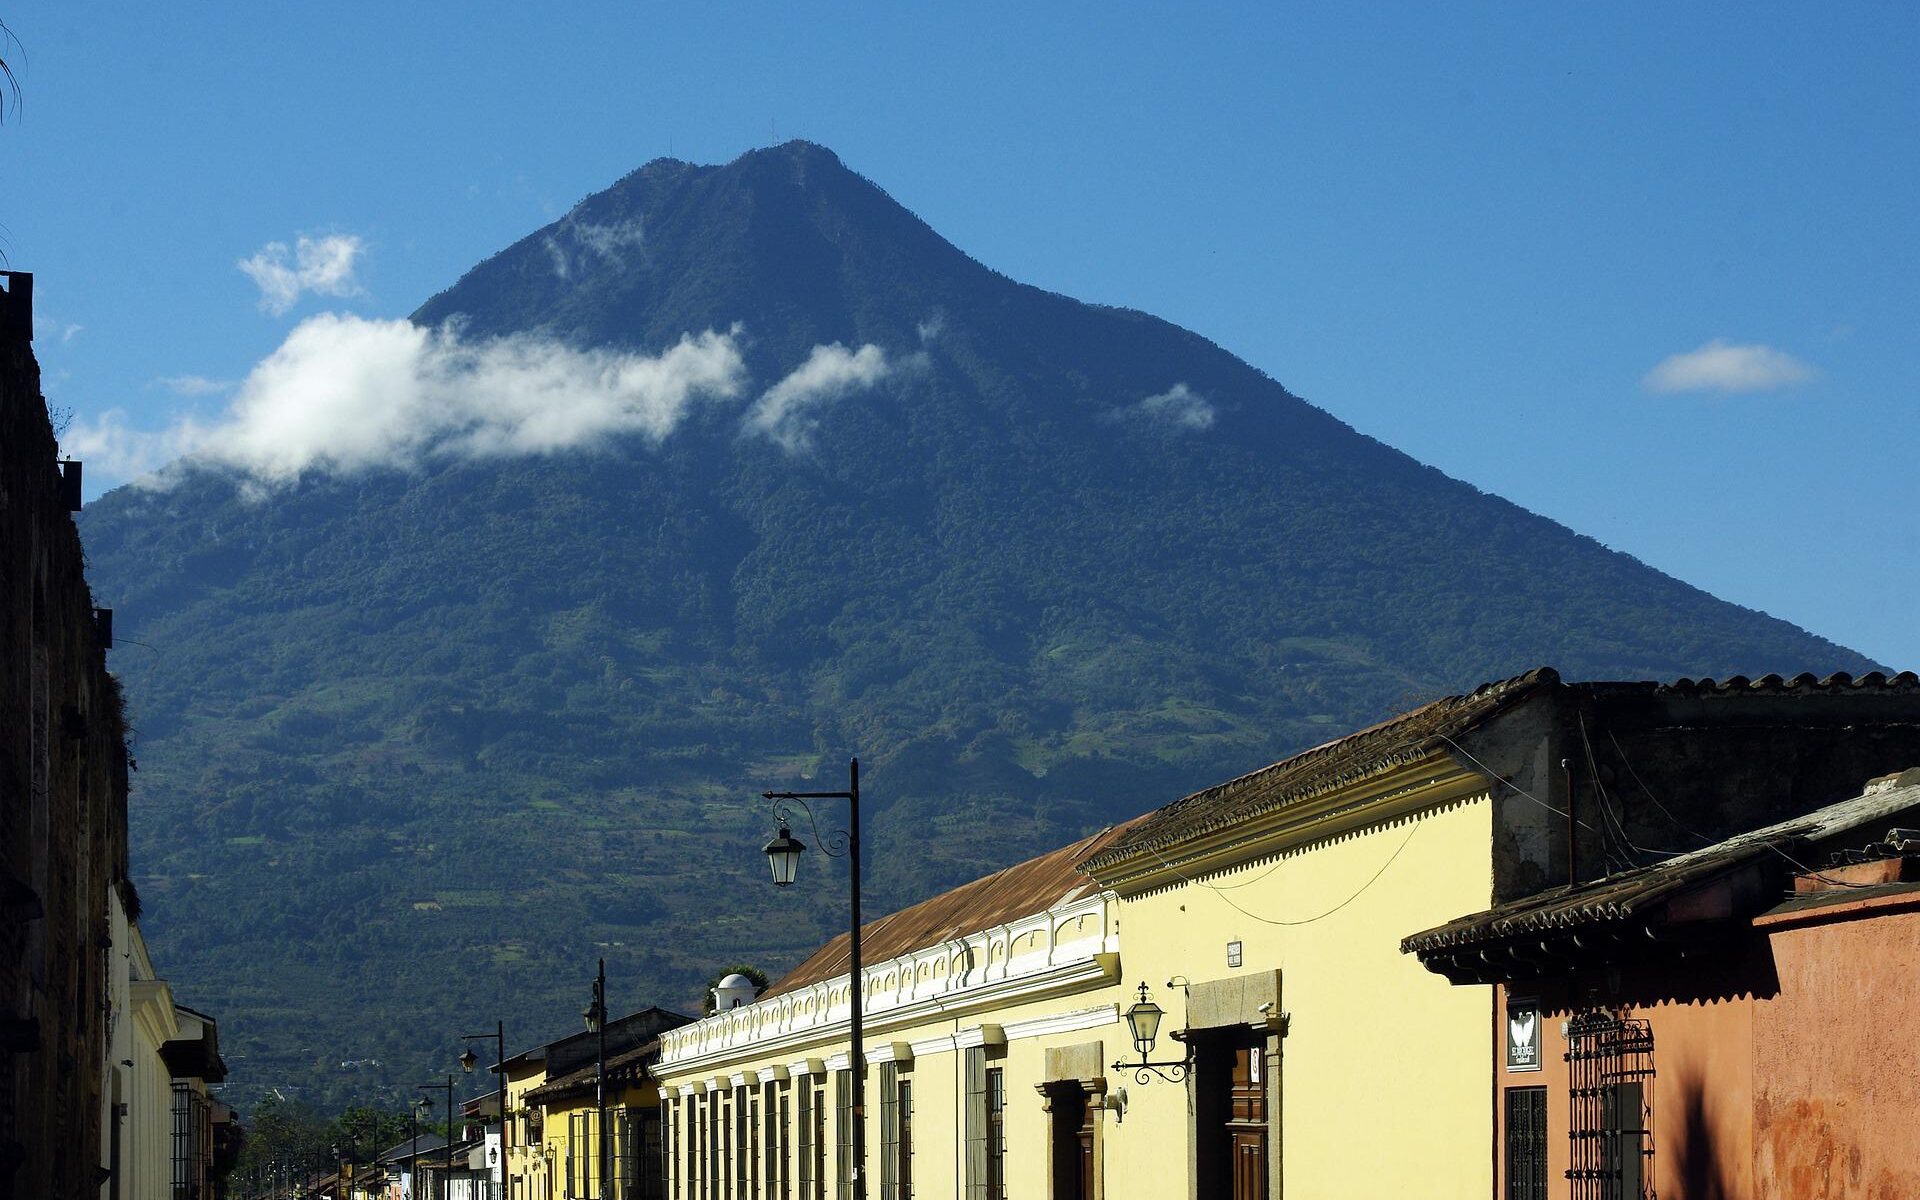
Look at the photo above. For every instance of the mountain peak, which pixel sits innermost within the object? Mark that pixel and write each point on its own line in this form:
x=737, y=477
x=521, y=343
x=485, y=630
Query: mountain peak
x=785, y=239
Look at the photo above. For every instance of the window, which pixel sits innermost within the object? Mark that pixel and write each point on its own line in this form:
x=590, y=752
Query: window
x=1527, y=1143
x=813, y=1138
x=974, y=1121
x=783, y=1156
x=996, y=1134
x=1609, y=1061
x=746, y=1171
x=896, y=1125
x=690, y=1147
x=721, y=1137
x=192, y=1143
x=843, y=1134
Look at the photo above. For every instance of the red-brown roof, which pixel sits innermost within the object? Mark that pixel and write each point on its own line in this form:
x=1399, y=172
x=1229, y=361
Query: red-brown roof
x=1017, y=891
x=1334, y=764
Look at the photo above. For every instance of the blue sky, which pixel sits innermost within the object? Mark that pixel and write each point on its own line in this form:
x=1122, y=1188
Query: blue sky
x=1474, y=232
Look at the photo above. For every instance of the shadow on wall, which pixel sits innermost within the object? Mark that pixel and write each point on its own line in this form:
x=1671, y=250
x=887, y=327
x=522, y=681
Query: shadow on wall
x=1696, y=1148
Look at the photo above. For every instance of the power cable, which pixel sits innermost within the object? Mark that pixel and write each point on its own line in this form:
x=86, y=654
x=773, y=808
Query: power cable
x=1308, y=920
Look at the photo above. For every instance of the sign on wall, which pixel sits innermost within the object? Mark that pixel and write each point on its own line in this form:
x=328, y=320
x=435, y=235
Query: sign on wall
x=1523, y=1035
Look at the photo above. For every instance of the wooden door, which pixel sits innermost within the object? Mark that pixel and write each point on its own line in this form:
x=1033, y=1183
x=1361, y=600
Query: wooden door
x=1086, y=1146
x=1247, y=1125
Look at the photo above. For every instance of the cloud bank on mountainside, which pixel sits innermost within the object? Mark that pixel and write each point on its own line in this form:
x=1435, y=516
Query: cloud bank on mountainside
x=344, y=394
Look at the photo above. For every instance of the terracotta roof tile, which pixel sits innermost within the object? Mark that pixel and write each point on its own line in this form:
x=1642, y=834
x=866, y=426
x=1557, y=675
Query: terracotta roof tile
x=1017, y=891
x=1405, y=738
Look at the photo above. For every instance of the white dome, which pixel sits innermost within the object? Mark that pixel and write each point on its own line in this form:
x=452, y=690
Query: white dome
x=735, y=991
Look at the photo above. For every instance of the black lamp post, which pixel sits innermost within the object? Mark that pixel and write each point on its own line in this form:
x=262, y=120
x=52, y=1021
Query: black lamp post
x=467, y=1061
x=783, y=855
x=413, y=1157
x=428, y=1101
x=596, y=1018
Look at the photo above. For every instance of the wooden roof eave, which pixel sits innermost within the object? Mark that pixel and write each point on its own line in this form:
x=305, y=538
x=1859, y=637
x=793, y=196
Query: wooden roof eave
x=1401, y=789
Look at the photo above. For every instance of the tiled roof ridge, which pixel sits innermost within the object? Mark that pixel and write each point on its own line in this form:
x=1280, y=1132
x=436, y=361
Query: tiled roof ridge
x=1501, y=692
x=1806, y=681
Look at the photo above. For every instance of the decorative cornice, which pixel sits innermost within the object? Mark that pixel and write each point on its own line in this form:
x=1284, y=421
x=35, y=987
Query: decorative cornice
x=1054, y=952
x=774, y=1074
x=1066, y=1022
x=890, y=1052
x=1408, y=789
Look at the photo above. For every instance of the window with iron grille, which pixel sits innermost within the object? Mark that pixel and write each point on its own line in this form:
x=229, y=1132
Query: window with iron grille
x=809, y=1168
x=843, y=1134
x=719, y=1137
x=743, y=1177
x=695, y=1180
x=896, y=1134
x=192, y=1143
x=784, y=1123
x=1527, y=1143
x=996, y=1133
x=1610, y=1125
x=974, y=1122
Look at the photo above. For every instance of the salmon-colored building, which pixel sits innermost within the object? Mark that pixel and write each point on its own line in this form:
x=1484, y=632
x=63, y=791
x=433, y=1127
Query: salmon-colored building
x=1733, y=1022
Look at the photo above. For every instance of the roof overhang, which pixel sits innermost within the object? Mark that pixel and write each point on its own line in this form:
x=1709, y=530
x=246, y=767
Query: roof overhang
x=1397, y=790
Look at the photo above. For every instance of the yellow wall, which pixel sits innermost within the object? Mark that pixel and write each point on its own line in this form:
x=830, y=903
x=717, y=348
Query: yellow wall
x=557, y=1140
x=526, y=1165
x=1385, y=1070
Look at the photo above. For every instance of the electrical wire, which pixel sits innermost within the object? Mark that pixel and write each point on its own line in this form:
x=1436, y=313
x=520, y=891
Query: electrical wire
x=1705, y=841
x=1253, y=916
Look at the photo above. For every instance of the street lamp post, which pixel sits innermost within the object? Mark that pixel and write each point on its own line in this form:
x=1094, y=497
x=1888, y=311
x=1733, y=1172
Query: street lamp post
x=413, y=1156
x=467, y=1062
x=596, y=1018
x=783, y=854
x=448, y=1088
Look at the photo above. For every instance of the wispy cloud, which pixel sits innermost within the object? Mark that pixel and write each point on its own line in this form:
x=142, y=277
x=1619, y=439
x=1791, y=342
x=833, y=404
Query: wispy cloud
x=1728, y=368
x=608, y=242
x=344, y=394
x=1179, y=406
x=194, y=385
x=785, y=412
x=46, y=328
x=324, y=266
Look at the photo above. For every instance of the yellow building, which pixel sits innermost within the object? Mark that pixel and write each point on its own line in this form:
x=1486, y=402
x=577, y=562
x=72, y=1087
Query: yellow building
x=1299, y=1052
x=553, y=1129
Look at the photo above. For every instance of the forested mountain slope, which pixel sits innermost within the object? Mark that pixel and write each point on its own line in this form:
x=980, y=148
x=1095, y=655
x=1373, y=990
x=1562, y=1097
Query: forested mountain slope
x=417, y=744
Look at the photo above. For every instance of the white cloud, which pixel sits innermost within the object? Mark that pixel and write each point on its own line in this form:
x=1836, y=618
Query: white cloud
x=784, y=412
x=1722, y=366
x=194, y=385
x=1179, y=406
x=324, y=266
x=45, y=328
x=345, y=394
x=608, y=242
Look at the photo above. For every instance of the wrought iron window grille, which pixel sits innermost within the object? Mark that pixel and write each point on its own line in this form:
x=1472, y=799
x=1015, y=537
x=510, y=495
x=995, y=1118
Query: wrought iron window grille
x=1610, y=1092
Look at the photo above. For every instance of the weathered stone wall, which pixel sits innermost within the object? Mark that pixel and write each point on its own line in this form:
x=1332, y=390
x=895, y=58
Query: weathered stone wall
x=1650, y=769
x=63, y=812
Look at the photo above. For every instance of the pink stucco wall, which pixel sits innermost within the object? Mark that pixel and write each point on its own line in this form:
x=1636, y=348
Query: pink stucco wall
x=1836, y=1091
